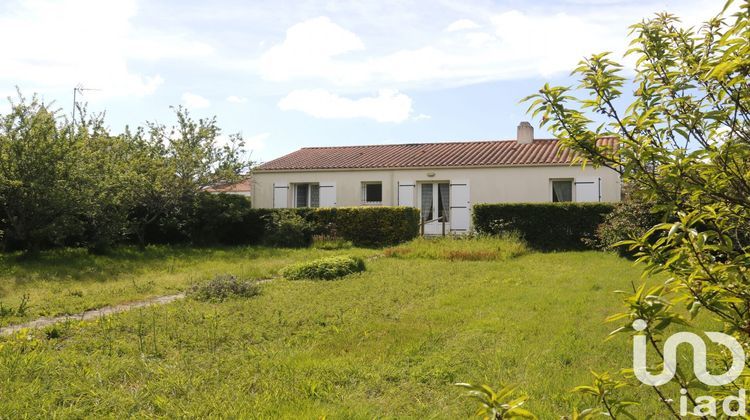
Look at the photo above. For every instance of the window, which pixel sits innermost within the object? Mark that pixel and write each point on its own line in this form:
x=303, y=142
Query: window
x=306, y=195
x=372, y=192
x=562, y=191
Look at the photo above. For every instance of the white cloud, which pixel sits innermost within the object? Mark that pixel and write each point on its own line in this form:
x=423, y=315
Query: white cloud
x=308, y=51
x=421, y=117
x=388, y=106
x=462, y=25
x=236, y=99
x=257, y=142
x=194, y=101
x=513, y=44
x=59, y=44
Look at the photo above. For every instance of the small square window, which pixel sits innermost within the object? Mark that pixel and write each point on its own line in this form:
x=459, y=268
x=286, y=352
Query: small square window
x=562, y=191
x=372, y=192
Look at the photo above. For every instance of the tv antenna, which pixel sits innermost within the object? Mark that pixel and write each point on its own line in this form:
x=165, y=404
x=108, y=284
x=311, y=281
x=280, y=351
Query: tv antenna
x=76, y=90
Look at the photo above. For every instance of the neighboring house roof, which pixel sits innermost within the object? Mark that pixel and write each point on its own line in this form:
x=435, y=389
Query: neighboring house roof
x=418, y=155
x=244, y=186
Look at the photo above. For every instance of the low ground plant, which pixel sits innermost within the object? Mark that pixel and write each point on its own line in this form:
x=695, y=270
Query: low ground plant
x=459, y=248
x=224, y=286
x=324, y=268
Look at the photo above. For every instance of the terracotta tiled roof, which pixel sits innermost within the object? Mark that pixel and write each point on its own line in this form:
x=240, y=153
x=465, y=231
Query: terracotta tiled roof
x=244, y=186
x=419, y=155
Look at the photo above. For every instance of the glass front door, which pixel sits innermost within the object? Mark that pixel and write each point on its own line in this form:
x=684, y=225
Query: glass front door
x=434, y=206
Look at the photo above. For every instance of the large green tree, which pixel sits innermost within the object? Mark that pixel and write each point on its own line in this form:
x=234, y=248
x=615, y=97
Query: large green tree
x=65, y=184
x=176, y=163
x=40, y=176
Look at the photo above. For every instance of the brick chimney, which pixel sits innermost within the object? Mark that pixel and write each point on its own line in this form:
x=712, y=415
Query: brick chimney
x=525, y=133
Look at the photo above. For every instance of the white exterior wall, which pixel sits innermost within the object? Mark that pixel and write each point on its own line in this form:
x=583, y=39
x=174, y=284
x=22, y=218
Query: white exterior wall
x=487, y=185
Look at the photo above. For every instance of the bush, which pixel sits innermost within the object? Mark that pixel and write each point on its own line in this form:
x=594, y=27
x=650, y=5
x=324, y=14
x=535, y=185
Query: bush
x=461, y=248
x=221, y=219
x=222, y=287
x=369, y=226
x=324, y=268
x=628, y=219
x=544, y=226
x=286, y=228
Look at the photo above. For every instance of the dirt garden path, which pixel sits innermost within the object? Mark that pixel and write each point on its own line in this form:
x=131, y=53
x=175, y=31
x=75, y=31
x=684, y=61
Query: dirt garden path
x=97, y=313
x=92, y=314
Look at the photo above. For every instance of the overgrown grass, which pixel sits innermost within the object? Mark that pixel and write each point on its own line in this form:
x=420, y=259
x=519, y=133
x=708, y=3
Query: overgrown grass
x=70, y=281
x=330, y=242
x=388, y=343
x=457, y=248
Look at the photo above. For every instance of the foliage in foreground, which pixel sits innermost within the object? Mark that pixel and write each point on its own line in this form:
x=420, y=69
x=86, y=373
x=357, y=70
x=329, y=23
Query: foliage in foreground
x=324, y=268
x=498, y=405
x=460, y=248
x=684, y=144
x=223, y=286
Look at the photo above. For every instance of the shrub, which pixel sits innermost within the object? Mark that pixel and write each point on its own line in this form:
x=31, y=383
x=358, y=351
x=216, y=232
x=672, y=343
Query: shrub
x=544, y=226
x=222, y=287
x=324, y=268
x=461, y=248
x=369, y=226
x=221, y=219
x=287, y=229
x=628, y=219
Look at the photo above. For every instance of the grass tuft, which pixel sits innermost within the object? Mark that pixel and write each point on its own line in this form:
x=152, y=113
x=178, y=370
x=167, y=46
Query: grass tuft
x=222, y=287
x=457, y=248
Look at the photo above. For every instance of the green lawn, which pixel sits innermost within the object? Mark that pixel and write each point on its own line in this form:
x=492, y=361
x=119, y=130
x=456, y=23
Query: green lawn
x=386, y=343
x=70, y=281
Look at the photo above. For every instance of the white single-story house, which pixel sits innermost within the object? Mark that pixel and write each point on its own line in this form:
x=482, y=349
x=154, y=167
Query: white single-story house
x=443, y=180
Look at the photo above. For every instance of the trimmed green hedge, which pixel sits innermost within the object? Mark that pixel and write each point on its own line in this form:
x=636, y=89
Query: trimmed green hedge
x=226, y=219
x=324, y=268
x=367, y=226
x=545, y=226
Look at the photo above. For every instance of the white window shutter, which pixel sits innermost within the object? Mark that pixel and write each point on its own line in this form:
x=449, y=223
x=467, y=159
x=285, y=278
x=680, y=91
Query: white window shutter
x=406, y=193
x=327, y=194
x=280, y=195
x=460, y=202
x=588, y=190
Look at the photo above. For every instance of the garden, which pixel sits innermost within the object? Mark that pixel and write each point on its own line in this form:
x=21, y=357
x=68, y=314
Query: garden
x=345, y=312
x=391, y=340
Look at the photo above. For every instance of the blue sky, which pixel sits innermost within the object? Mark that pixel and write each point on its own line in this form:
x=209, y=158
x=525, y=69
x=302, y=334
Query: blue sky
x=288, y=74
